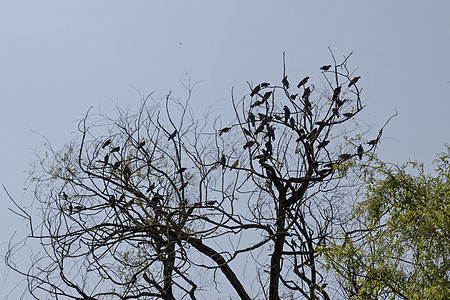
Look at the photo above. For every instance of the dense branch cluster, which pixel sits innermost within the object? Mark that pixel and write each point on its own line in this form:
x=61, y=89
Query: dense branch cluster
x=163, y=206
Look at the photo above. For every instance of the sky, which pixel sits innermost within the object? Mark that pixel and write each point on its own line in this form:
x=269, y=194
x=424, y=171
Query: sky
x=58, y=58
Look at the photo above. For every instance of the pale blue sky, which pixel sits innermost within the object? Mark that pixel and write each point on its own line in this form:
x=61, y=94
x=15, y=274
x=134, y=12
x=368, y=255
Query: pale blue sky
x=58, y=58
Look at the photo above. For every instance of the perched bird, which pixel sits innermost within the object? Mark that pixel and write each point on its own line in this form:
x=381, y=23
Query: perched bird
x=306, y=93
x=354, y=80
x=126, y=175
x=172, y=135
x=293, y=96
x=112, y=200
x=184, y=185
x=106, y=143
x=266, y=96
x=249, y=144
x=271, y=133
x=269, y=149
x=259, y=129
x=292, y=122
x=115, y=149
x=210, y=202
x=348, y=115
x=116, y=165
x=246, y=132
x=345, y=156
x=106, y=159
x=287, y=114
x=323, y=144
x=264, y=85
x=303, y=81
x=373, y=142
x=65, y=196
x=285, y=82
x=181, y=170
x=360, y=151
x=157, y=198
x=235, y=164
x=336, y=93
x=70, y=208
x=151, y=187
x=255, y=90
x=141, y=144
x=252, y=118
x=325, y=68
x=256, y=103
x=223, y=160
x=224, y=130
x=278, y=117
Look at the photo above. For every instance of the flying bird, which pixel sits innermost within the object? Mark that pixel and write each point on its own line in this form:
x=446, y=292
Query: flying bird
x=224, y=130
x=285, y=82
x=336, y=93
x=249, y=144
x=287, y=114
x=106, y=143
x=354, y=80
x=303, y=82
x=255, y=90
x=172, y=135
x=325, y=68
x=360, y=151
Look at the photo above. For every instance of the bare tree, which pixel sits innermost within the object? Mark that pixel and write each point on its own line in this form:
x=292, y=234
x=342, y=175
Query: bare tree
x=157, y=204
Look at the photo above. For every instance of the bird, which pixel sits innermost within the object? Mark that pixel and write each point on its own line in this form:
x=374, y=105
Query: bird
x=348, y=115
x=184, y=185
x=115, y=149
x=345, y=156
x=224, y=130
x=112, y=200
x=223, y=160
x=287, y=113
x=151, y=187
x=323, y=144
x=325, y=68
x=249, y=144
x=306, y=93
x=252, y=118
x=172, y=135
x=303, y=82
x=269, y=149
x=116, y=165
x=256, y=103
x=65, y=196
x=105, y=160
x=354, y=80
x=271, y=133
x=320, y=123
x=106, y=143
x=141, y=144
x=255, y=90
x=157, y=198
x=293, y=96
x=235, y=164
x=264, y=85
x=373, y=142
x=360, y=151
x=336, y=93
x=70, y=208
x=259, y=129
x=292, y=122
x=285, y=82
x=266, y=96
x=181, y=170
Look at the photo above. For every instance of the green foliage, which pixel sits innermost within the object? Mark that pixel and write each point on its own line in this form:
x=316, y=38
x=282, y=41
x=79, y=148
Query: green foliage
x=400, y=248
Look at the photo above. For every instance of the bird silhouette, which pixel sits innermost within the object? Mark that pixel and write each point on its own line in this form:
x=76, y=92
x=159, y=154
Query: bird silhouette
x=184, y=185
x=285, y=82
x=292, y=122
x=106, y=159
x=259, y=129
x=373, y=142
x=256, y=103
x=354, y=80
x=303, y=82
x=112, y=200
x=115, y=149
x=235, y=164
x=223, y=160
x=348, y=115
x=266, y=96
x=323, y=144
x=287, y=114
x=65, y=197
x=345, y=156
x=255, y=90
x=172, y=135
x=116, y=165
x=249, y=144
x=181, y=170
x=336, y=93
x=106, y=143
x=360, y=151
x=306, y=93
x=325, y=68
x=293, y=96
x=224, y=130
x=264, y=85
x=252, y=118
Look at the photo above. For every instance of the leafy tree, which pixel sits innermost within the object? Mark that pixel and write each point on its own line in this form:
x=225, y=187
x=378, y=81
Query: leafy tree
x=157, y=203
x=401, y=249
